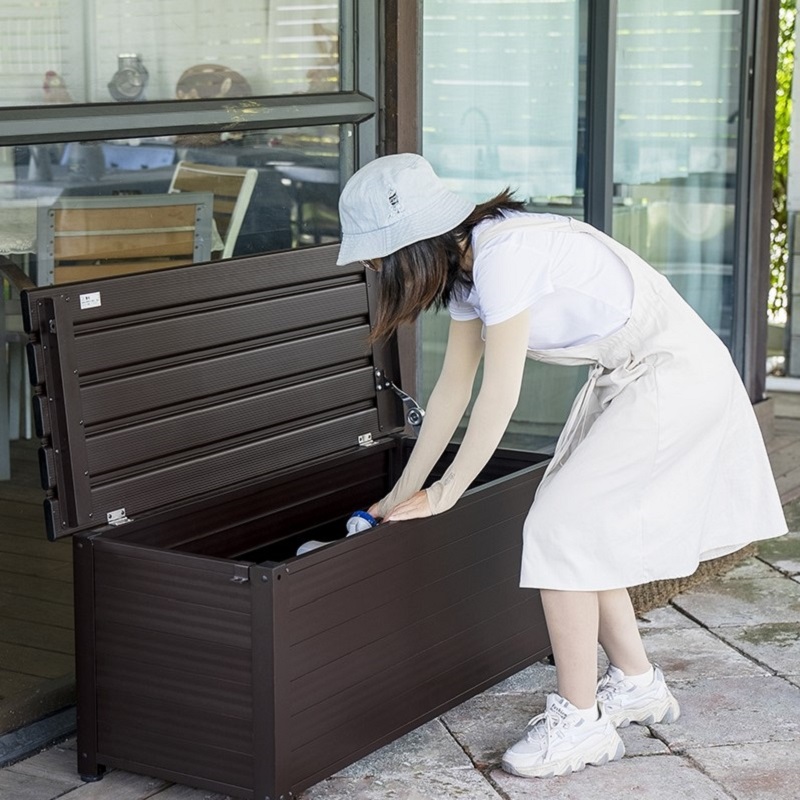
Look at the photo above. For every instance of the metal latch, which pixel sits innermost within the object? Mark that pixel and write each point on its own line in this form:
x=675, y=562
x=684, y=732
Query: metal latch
x=365, y=440
x=415, y=413
x=118, y=517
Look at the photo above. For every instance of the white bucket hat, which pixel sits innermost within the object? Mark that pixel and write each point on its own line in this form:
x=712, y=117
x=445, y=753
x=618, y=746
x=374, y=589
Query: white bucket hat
x=393, y=202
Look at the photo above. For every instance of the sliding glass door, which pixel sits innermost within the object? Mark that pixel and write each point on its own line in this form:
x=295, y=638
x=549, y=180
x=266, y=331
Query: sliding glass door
x=676, y=135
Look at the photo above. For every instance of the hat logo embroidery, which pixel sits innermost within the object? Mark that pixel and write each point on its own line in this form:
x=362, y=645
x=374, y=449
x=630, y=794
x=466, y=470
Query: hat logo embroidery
x=394, y=202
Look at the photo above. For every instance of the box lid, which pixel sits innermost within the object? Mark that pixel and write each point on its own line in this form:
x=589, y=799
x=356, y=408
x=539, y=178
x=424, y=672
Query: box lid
x=158, y=387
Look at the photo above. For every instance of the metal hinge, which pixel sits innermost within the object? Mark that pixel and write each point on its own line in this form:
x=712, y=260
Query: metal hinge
x=365, y=440
x=241, y=573
x=415, y=413
x=118, y=517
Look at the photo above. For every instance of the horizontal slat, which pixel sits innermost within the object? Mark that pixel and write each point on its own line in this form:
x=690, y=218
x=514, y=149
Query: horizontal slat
x=210, y=659
x=186, y=585
x=160, y=684
x=182, y=433
x=396, y=581
x=157, y=487
x=75, y=273
x=242, y=520
x=403, y=674
x=82, y=220
x=125, y=246
x=192, y=333
x=318, y=747
x=195, y=285
x=140, y=751
x=203, y=623
x=506, y=500
x=132, y=395
x=385, y=620
x=192, y=723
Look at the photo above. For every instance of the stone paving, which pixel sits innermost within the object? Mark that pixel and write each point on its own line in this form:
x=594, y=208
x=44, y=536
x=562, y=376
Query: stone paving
x=730, y=649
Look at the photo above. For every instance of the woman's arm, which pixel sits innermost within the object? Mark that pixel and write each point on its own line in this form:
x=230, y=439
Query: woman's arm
x=446, y=406
x=504, y=363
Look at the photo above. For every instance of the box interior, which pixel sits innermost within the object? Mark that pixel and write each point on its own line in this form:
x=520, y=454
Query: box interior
x=267, y=522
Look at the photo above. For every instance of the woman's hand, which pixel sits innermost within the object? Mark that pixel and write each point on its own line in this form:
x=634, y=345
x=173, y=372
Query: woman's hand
x=414, y=508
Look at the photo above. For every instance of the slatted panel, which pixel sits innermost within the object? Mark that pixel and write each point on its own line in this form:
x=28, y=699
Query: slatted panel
x=173, y=664
x=186, y=391
x=408, y=624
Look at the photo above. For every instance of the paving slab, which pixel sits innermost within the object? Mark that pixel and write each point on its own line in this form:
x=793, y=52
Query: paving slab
x=688, y=654
x=666, y=617
x=20, y=786
x=176, y=792
x=742, y=602
x=727, y=711
x=537, y=679
x=792, y=513
x=663, y=777
x=749, y=569
x=487, y=724
x=56, y=762
x=763, y=771
x=428, y=747
x=782, y=553
x=447, y=784
x=775, y=644
x=118, y=785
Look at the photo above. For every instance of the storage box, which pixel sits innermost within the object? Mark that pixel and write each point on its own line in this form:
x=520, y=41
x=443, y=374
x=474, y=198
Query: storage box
x=198, y=425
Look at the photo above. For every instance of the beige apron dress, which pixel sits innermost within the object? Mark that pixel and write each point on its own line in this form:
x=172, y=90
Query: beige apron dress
x=661, y=463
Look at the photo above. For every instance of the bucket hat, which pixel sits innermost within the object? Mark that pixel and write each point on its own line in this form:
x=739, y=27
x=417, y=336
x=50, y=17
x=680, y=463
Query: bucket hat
x=393, y=202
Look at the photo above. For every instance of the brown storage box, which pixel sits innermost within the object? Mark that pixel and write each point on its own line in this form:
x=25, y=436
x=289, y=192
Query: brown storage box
x=198, y=425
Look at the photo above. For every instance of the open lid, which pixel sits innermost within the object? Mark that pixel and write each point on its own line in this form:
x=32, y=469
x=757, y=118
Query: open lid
x=162, y=386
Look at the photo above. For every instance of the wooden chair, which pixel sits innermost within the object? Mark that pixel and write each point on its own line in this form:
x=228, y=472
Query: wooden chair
x=15, y=404
x=232, y=188
x=82, y=238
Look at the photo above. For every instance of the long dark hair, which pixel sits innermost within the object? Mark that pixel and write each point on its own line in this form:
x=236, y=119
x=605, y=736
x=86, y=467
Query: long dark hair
x=429, y=273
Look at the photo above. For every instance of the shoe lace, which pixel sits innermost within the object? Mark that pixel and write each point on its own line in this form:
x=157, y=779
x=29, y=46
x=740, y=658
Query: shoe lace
x=606, y=688
x=542, y=726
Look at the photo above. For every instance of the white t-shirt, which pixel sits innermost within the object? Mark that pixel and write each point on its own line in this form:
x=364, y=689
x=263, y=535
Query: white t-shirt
x=577, y=290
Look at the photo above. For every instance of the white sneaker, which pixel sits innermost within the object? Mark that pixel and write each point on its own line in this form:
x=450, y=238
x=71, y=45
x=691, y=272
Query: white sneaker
x=624, y=702
x=561, y=741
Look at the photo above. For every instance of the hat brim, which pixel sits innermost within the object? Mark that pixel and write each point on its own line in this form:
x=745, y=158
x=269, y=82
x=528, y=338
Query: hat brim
x=440, y=217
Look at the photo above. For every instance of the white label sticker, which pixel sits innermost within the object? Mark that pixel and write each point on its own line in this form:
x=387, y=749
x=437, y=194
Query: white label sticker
x=91, y=300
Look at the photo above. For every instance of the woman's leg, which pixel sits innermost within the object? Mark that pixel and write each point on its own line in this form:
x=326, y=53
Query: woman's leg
x=632, y=690
x=618, y=632
x=563, y=739
x=572, y=622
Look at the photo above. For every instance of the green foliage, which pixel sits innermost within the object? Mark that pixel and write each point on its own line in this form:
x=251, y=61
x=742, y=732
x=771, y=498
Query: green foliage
x=779, y=251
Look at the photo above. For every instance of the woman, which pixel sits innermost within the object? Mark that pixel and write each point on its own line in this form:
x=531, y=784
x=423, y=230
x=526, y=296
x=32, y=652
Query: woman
x=660, y=465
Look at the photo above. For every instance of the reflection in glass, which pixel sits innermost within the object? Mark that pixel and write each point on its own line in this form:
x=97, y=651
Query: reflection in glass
x=88, y=51
x=677, y=108
x=255, y=192
x=503, y=104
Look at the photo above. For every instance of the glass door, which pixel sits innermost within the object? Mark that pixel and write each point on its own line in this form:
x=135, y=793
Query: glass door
x=676, y=133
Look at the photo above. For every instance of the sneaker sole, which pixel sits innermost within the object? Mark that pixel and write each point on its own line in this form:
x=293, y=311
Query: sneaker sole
x=568, y=765
x=666, y=712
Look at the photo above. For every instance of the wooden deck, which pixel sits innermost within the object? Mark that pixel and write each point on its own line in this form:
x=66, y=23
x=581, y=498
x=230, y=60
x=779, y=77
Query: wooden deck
x=37, y=674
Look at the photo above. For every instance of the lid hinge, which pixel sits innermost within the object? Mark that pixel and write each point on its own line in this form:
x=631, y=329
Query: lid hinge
x=415, y=413
x=118, y=517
